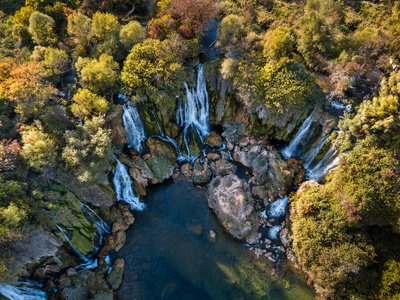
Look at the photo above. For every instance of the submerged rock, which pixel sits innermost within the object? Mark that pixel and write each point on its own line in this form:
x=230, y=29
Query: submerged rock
x=115, y=276
x=231, y=200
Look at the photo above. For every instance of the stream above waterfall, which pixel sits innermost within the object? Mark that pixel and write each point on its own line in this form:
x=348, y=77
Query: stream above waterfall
x=170, y=255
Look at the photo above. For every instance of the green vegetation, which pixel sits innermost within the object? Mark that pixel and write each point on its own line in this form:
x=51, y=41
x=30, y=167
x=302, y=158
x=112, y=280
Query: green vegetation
x=62, y=63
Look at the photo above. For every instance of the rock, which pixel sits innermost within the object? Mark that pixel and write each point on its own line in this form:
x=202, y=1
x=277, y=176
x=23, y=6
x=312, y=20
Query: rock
x=297, y=168
x=212, y=236
x=75, y=293
x=213, y=156
x=271, y=259
x=283, y=235
x=231, y=200
x=161, y=168
x=201, y=172
x=241, y=156
x=258, y=252
x=37, y=247
x=213, y=140
x=195, y=229
x=223, y=167
x=51, y=265
x=71, y=271
x=114, y=278
x=104, y=296
x=114, y=122
x=71, y=218
x=254, y=238
x=162, y=150
x=140, y=173
x=261, y=192
x=119, y=239
x=187, y=170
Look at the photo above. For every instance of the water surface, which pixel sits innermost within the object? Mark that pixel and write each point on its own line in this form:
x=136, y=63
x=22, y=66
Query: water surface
x=168, y=255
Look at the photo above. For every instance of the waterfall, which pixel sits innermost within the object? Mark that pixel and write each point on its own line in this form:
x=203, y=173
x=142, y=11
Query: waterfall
x=134, y=127
x=273, y=232
x=101, y=226
x=327, y=164
x=123, y=187
x=277, y=208
x=193, y=114
x=313, y=152
x=67, y=238
x=21, y=292
x=181, y=157
x=293, y=148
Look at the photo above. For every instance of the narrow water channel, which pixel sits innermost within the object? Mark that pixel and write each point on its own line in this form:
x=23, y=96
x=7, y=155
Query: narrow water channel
x=169, y=255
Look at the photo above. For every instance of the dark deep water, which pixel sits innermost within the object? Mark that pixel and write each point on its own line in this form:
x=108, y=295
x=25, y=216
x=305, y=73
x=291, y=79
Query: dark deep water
x=168, y=256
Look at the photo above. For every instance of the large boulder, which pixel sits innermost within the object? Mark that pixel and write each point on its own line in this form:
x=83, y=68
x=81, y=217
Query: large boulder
x=231, y=200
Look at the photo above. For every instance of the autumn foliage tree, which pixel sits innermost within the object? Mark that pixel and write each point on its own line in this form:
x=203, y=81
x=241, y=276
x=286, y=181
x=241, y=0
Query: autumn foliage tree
x=27, y=86
x=186, y=17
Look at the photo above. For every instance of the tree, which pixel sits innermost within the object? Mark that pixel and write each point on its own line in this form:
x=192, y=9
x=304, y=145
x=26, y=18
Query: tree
x=88, y=151
x=131, y=34
x=80, y=28
x=26, y=85
x=230, y=31
x=281, y=87
x=188, y=18
x=38, y=149
x=156, y=69
x=99, y=76
x=105, y=26
x=56, y=62
x=280, y=43
x=86, y=104
x=41, y=27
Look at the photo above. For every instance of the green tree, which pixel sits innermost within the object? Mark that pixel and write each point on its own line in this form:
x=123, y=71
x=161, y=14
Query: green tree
x=86, y=104
x=280, y=87
x=105, y=26
x=88, y=151
x=38, y=149
x=131, y=34
x=230, y=31
x=56, y=62
x=156, y=69
x=41, y=27
x=80, y=29
x=280, y=43
x=99, y=76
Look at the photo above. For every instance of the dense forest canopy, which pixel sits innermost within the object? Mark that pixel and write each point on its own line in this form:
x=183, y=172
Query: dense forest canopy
x=63, y=63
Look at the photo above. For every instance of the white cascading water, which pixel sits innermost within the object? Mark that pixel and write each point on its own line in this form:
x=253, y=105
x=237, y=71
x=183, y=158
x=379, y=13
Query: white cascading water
x=101, y=227
x=327, y=164
x=193, y=114
x=67, y=238
x=273, y=232
x=134, y=127
x=123, y=187
x=293, y=148
x=21, y=292
x=313, y=152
